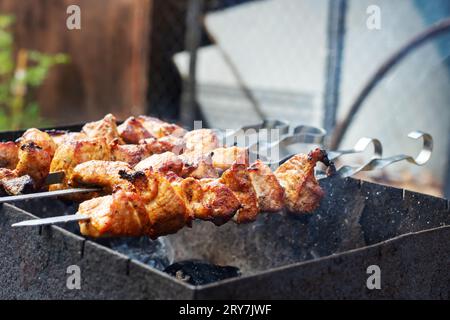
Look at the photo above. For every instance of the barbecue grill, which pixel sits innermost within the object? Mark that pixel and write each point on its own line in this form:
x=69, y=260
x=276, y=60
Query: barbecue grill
x=322, y=255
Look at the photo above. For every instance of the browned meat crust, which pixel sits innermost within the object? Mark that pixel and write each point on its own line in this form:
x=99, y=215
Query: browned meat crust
x=302, y=191
x=238, y=180
x=9, y=155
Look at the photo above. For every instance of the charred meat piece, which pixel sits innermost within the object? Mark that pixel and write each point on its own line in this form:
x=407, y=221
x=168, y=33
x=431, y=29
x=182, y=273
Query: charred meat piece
x=224, y=158
x=198, y=166
x=9, y=155
x=127, y=213
x=60, y=136
x=69, y=155
x=200, y=141
x=105, y=128
x=130, y=153
x=36, y=150
x=238, y=180
x=11, y=184
x=40, y=138
x=5, y=174
x=268, y=190
x=159, y=128
x=121, y=214
x=207, y=199
x=132, y=131
x=176, y=144
x=167, y=212
x=19, y=185
x=155, y=146
x=302, y=191
x=164, y=162
x=110, y=175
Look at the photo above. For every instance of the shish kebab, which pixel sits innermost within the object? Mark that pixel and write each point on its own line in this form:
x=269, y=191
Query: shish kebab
x=27, y=163
x=156, y=202
x=37, y=153
x=196, y=143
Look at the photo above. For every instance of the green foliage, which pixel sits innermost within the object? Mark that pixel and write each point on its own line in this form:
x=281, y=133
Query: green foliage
x=17, y=111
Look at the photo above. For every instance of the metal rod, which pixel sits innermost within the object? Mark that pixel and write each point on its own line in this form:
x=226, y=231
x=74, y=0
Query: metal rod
x=193, y=39
x=337, y=11
x=51, y=220
x=46, y=194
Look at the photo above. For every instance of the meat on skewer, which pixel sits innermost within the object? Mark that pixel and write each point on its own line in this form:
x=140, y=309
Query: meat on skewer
x=31, y=156
x=159, y=128
x=195, y=164
x=296, y=176
x=158, y=210
x=9, y=155
x=105, y=128
x=35, y=150
x=240, y=193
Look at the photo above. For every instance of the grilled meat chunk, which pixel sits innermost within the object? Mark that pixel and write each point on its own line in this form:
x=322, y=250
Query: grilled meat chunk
x=238, y=180
x=224, y=158
x=207, y=199
x=105, y=128
x=268, y=190
x=198, y=166
x=167, y=212
x=130, y=153
x=127, y=213
x=36, y=150
x=200, y=141
x=159, y=128
x=132, y=131
x=120, y=214
x=163, y=162
x=302, y=191
x=9, y=155
x=61, y=137
x=17, y=185
x=162, y=145
x=7, y=173
x=110, y=175
x=69, y=155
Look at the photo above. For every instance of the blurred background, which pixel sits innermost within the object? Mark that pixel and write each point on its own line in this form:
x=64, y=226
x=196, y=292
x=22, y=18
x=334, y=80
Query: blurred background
x=234, y=62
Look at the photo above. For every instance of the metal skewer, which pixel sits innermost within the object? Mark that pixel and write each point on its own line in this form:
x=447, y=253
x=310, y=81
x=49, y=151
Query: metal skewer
x=380, y=163
x=360, y=146
x=46, y=194
x=54, y=177
x=51, y=220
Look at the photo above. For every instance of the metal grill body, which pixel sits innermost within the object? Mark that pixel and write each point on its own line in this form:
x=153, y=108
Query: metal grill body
x=322, y=255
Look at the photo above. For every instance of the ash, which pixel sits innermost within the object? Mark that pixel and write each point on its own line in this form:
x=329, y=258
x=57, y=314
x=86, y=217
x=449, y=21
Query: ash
x=155, y=253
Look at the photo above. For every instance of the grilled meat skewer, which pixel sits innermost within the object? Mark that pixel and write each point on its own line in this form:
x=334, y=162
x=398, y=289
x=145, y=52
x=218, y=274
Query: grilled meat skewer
x=36, y=152
x=156, y=204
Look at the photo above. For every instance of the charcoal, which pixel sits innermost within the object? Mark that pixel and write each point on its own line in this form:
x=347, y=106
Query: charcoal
x=198, y=272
